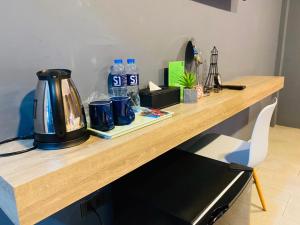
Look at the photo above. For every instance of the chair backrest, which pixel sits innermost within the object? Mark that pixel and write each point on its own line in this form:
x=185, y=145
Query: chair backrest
x=260, y=136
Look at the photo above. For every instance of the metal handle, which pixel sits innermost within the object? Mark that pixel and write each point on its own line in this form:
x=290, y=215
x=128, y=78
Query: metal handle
x=217, y=214
x=57, y=106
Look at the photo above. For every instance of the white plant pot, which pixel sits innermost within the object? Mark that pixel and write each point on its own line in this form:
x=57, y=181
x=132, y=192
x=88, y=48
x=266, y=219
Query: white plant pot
x=189, y=95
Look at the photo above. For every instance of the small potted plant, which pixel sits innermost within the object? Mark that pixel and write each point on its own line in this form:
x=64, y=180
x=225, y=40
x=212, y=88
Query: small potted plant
x=188, y=81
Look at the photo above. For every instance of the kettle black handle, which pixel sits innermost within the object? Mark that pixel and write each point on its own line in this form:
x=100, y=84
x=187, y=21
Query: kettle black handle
x=57, y=106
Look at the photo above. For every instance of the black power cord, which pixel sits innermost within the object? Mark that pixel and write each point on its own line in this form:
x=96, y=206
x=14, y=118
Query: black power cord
x=96, y=213
x=17, y=152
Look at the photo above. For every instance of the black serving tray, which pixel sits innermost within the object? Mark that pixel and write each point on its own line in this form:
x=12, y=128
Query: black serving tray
x=168, y=96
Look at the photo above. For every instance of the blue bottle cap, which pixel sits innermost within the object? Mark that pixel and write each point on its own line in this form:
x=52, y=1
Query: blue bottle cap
x=130, y=61
x=118, y=61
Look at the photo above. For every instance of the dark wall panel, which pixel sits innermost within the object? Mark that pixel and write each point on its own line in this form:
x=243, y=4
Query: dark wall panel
x=289, y=106
x=221, y=4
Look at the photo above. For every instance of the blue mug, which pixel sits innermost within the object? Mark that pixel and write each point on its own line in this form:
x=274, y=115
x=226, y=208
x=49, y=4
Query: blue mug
x=101, y=115
x=123, y=113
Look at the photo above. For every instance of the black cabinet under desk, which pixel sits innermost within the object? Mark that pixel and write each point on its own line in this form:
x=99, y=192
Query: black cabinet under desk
x=178, y=188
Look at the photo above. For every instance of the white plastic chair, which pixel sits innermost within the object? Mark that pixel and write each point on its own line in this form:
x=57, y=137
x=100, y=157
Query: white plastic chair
x=232, y=150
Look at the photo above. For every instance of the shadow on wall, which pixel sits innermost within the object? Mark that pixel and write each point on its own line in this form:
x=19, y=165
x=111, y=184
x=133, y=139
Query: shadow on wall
x=60, y=218
x=4, y=219
x=221, y=4
x=25, y=128
x=26, y=115
x=234, y=125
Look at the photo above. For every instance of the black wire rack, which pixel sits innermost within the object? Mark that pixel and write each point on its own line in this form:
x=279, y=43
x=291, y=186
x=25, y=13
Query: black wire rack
x=212, y=81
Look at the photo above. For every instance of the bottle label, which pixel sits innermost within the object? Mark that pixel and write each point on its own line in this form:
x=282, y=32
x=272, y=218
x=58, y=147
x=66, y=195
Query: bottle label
x=133, y=80
x=118, y=81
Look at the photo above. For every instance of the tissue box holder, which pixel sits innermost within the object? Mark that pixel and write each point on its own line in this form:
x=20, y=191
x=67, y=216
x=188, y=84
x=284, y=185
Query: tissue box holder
x=165, y=97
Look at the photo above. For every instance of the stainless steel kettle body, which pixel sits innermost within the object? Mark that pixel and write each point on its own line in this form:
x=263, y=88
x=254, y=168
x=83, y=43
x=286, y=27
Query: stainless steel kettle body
x=59, y=118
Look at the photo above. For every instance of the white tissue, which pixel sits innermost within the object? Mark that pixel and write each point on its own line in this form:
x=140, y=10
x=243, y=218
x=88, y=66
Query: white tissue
x=153, y=87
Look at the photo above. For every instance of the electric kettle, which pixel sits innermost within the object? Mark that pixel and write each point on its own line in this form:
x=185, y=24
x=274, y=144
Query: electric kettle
x=59, y=118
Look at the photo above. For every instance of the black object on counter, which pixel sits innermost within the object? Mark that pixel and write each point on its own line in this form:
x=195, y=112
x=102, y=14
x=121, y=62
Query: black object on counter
x=213, y=80
x=168, y=96
x=178, y=188
x=166, y=77
x=234, y=87
x=189, y=56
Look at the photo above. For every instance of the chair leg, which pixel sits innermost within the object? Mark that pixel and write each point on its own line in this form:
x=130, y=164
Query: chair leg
x=259, y=190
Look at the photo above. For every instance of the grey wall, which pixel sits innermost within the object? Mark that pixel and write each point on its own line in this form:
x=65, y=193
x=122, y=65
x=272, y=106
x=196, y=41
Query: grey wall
x=290, y=67
x=85, y=36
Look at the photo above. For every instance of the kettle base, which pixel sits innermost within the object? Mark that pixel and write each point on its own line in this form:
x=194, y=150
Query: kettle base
x=63, y=144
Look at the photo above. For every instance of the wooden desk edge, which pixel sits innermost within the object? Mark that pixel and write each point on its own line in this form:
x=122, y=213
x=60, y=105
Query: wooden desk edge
x=29, y=214
x=8, y=201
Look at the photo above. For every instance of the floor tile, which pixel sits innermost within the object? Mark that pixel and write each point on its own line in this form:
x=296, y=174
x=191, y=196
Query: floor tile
x=293, y=209
x=279, y=175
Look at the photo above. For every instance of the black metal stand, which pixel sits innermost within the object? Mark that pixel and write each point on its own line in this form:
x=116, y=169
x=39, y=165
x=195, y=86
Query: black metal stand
x=213, y=80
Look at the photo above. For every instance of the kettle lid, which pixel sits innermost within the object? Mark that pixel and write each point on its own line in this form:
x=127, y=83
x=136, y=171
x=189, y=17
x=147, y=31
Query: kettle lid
x=54, y=73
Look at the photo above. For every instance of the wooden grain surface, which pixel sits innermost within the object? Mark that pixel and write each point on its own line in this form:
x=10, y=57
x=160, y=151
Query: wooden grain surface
x=35, y=185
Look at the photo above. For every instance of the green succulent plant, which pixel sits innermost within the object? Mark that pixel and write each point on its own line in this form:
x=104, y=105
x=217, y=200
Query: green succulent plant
x=188, y=80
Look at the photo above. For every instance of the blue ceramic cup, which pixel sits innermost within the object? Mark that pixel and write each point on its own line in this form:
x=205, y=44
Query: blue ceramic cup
x=123, y=113
x=101, y=115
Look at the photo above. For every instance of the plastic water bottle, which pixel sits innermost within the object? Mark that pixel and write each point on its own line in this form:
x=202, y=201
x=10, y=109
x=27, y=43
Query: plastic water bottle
x=117, y=80
x=132, y=82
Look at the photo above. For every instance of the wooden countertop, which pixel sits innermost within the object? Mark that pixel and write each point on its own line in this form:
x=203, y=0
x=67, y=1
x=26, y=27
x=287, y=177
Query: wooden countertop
x=37, y=184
